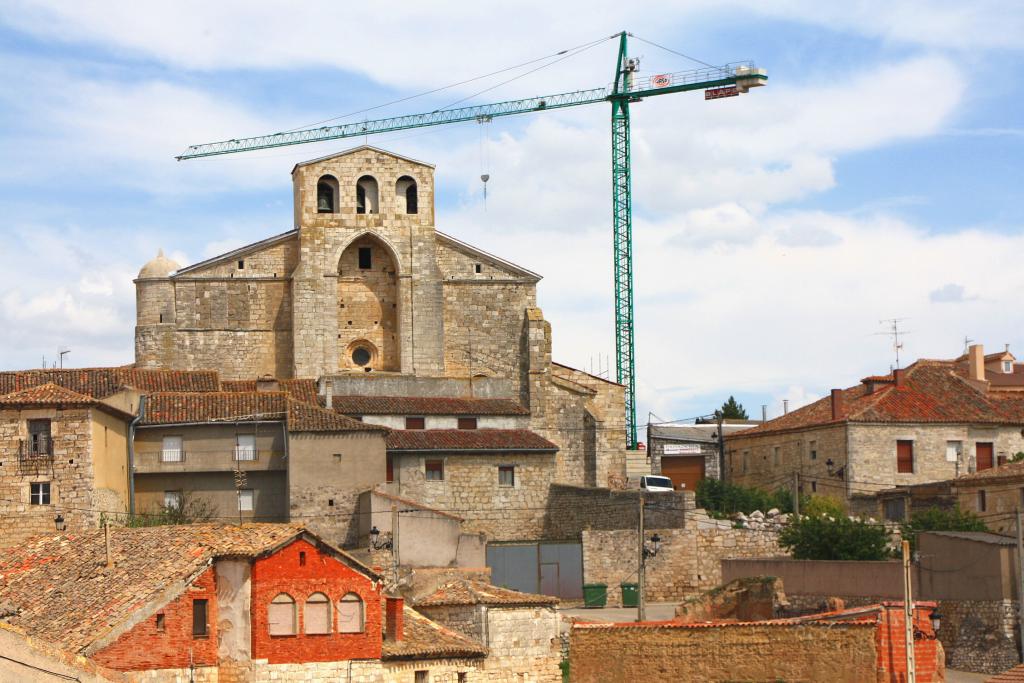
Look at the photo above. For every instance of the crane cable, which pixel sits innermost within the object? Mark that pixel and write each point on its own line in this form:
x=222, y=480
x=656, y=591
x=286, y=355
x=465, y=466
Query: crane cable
x=560, y=53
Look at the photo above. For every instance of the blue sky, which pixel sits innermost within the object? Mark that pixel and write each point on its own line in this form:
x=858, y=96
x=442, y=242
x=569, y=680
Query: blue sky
x=877, y=176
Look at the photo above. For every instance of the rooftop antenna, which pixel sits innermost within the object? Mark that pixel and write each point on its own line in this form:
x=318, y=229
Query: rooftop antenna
x=967, y=344
x=896, y=333
x=63, y=351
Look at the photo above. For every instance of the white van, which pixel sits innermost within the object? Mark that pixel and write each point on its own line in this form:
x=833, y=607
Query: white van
x=656, y=483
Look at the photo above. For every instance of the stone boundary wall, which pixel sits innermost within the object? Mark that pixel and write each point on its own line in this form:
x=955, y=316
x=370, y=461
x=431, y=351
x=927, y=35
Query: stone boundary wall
x=689, y=560
x=572, y=509
x=980, y=635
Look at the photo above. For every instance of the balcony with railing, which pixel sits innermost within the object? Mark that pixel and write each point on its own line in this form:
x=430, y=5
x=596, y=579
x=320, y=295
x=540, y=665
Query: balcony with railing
x=246, y=454
x=38, y=447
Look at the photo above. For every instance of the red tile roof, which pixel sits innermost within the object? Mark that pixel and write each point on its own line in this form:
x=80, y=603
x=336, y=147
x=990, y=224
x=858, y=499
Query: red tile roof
x=470, y=440
x=1014, y=675
x=300, y=389
x=229, y=407
x=414, y=504
x=469, y=592
x=426, y=405
x=1008, y=472
x=932, y=391
x=102, y=382
x=63, y=591
x=426, y=639
x=50, y=395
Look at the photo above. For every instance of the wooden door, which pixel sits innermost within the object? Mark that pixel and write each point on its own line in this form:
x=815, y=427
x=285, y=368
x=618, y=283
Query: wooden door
x=984, y=456
x=684, y=470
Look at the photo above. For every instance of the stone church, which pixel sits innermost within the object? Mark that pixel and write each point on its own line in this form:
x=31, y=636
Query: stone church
x=365, y=295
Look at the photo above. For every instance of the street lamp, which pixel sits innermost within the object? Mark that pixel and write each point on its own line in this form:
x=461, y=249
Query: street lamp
x=936, y=620
x=652, y=550
x=59, y=522
x=376, y=543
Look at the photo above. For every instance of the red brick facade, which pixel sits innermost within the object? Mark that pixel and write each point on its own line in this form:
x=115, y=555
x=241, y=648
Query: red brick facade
x=300, y=570
x=145, y=646
x=890, y=639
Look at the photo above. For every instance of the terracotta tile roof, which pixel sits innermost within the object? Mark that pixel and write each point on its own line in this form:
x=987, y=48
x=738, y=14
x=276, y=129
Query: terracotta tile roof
x=234, y=406
x=1014, y=675
x=63, y=591
x=47, y=395
x=426, y=639
x=102, y=382
x=426, y=405
x=472, y=440
x=1008, y=472
x=469, y=592
x=300, y=389
x=414, y=504
x=932, y=392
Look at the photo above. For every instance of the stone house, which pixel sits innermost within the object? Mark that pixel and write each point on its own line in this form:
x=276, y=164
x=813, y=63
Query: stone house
x=688, y=453
x=366, y=296
x=257, y=456
x=519, y=630
x=994, y=495
x=847, y=646
x=215, y=602
x=929, y=422
x=63, y=455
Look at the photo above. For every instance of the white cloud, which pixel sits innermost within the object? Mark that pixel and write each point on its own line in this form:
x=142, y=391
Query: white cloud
x=948, y=293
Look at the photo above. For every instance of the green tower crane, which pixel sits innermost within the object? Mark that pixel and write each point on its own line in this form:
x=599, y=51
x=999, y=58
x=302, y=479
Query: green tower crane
x=717, y=81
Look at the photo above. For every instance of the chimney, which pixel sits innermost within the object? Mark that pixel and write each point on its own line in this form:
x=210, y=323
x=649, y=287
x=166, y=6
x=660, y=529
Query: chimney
x=900, y=376
x=785, y=406
x=394, y=626
x=838, y=407
x=764, y=412
x=267, y=383
x=976, y=362
x=327, y=391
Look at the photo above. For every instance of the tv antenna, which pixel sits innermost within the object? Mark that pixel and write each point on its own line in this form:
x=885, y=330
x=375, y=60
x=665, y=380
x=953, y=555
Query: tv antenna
x=896, y=333
x=61, y=352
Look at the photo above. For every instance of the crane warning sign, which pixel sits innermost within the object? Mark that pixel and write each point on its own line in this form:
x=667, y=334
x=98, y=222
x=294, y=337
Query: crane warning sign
x=661, y=81
x=717, y=93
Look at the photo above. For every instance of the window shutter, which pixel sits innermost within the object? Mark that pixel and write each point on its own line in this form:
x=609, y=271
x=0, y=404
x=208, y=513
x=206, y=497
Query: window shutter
x=905, y=457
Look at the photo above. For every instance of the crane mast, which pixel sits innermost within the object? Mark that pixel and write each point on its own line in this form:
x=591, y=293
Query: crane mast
x=717, y=81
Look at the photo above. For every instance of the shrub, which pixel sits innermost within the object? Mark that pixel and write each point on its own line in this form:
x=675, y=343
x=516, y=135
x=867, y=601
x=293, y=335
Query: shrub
x=821, y=506
x=722, y=498
x=835, y=538
x=189, y=510
x=940, y=519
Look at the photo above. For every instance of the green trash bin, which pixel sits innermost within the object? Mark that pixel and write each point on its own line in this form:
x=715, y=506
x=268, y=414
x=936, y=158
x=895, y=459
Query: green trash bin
x=595, y=594
x=630, y=594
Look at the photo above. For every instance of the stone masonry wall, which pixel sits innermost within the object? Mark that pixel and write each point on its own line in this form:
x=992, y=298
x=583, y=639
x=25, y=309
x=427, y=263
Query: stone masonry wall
x=571, y=509
x=688, y=561
x=980, y=635
x=69, y=472
x=768, y=461
x=470, y=490
x=524, y=639
x=738, y=652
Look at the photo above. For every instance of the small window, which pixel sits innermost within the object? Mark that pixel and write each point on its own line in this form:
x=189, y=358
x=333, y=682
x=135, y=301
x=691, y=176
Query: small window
x=39, y=437
x=954, y=449
x=905, y=457
x=421, y=677
x=895, y=510
x=245, y=447
x=982, y=502
x=406, y=188
x=302, y=555
x=434, y=470
x=467, y=423
x=390, y=474
x=814, y=487
x=776, y=456
x=172, y=500
x=246, y=500
x=317, y=617
x=200, y=629
x=39, y=493
x=1008, y=366
x=813, y=447
x=350, y=614
x=415, y=423
x=463, y=677
x=746, y=461
x=361, y=356
x=506, y=476
x=161, y=623
x=281, y=616
x=241, y=264
x=365, y=258
x=171, y=450
x=477, y=267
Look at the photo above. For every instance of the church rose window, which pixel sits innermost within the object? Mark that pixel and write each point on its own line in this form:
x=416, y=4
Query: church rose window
x=360, y=356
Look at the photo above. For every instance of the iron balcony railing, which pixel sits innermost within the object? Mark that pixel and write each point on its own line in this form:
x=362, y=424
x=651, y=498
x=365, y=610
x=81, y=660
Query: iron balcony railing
x=39, y=447
x=245, y=454
x=172, y=455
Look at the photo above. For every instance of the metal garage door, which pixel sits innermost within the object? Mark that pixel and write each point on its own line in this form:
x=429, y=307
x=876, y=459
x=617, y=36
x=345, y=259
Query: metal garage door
x=545, y=568
x=684, y=470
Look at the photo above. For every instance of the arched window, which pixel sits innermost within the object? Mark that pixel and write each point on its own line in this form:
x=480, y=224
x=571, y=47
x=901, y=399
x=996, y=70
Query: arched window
x=406, y=187
x=366, y=195
x=350, y=614
x=317, y=616
x=327, y=194
x=282, y=619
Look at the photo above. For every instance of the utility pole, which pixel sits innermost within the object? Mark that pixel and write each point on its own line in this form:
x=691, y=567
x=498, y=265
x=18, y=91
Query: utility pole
x=721, y=446
x=1020, y=582
x=908, y=615
x=641, y=608
x=394, y=540
x=796, y=494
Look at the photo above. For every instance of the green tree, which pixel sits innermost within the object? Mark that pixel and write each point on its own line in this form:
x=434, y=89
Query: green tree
x=731, y=410
x=835, y=538
x=940, y=519
x=188, y=509
x=722, y=499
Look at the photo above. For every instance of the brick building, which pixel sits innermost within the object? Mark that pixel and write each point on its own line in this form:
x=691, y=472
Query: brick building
x=849, y=646
x=367, y=297
x=926, y=423
x=214, y=602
